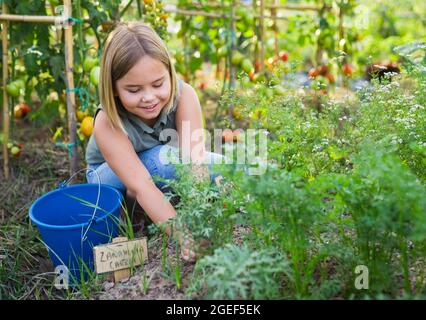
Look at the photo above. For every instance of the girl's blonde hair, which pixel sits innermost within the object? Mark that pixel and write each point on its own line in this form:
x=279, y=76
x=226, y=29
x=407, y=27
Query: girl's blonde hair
x=124, y=47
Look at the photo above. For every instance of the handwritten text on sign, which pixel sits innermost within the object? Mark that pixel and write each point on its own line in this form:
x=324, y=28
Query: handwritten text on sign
x=122, y=255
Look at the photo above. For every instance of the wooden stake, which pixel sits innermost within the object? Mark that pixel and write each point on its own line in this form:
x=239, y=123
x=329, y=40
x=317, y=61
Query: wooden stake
x=262, y=34
x=72, y=127
x=275, y=28
x=53, y=19
x=256, y=39
x=342, y=33
x=22, y=18
x=214, y=15
x=288, y=7
x=318, y=54
x=342, y=36
x=6, y=118
x=294, y=7
x=231, y=66
x=233, y=46
x=123, y=273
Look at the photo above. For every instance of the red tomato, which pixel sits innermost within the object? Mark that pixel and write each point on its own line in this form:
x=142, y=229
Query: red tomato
x=347, y=69
x=283, y=56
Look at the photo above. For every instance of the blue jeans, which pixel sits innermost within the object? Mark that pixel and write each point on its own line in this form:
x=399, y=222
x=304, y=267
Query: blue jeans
x=152, y=161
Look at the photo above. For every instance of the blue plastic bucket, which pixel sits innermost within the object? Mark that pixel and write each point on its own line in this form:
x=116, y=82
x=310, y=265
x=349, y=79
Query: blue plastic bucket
x=69, y=228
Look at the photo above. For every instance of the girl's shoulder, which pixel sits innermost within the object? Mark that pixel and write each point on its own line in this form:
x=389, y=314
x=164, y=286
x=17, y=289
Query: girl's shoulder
x=98, y=111
x=185, y=89
x=100, y=116
x=182, y=92
x=101, y=119
x=188, y=99
x=181, y=84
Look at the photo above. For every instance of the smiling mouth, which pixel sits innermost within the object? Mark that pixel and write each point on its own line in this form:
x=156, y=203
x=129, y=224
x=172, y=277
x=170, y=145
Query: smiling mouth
x=150, y=108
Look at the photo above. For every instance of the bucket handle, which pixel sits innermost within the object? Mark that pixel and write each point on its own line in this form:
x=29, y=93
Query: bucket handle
x=64, y=183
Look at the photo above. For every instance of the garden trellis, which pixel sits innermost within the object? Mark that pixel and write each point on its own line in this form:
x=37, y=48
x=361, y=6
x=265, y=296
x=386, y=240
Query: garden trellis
x=66, y=22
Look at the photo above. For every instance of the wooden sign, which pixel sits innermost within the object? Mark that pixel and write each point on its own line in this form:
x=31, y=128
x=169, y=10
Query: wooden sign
x=121, y=254
x=123, y=273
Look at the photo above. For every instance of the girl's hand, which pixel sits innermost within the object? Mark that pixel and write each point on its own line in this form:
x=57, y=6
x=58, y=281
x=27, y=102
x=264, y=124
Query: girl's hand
x=191, y=250
x=188, y=252
x=188, y=247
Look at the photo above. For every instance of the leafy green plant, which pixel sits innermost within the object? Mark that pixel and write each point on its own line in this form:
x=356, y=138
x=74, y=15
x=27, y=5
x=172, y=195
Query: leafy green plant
x=234, y=272
x=391, y=115
x=202, y=208
x=287, y=213
x=387, y=204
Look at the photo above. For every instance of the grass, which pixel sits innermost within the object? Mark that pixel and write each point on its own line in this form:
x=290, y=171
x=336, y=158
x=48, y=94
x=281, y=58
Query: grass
x=39, y=170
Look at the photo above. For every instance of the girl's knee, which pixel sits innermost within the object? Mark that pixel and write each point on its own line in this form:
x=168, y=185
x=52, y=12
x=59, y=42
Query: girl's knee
x=103, y=174
x=159, y=161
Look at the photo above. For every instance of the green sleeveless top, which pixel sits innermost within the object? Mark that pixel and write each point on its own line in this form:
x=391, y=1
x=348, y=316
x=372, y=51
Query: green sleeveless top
x=141, y=135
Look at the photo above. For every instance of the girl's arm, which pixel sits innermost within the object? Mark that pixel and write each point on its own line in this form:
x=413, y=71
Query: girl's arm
x=123, y=160
x=189, y=112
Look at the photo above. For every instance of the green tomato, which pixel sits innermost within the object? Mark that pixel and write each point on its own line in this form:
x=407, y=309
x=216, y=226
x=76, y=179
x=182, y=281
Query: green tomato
x=15, y=151
x=20, y=83
x=92, y=91
x=222, y=51
x=247, y=66
x=248, y=18
x=259, y=77
x=13, y=89
x=195, y=41
x=95, y=75
x=237, y=58
x=89, y=63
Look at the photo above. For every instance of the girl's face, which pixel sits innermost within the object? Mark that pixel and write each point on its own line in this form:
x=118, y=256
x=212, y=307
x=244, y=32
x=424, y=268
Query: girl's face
x=145, y=89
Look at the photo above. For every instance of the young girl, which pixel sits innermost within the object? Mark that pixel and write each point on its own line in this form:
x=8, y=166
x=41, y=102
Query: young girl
x=140, y=97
